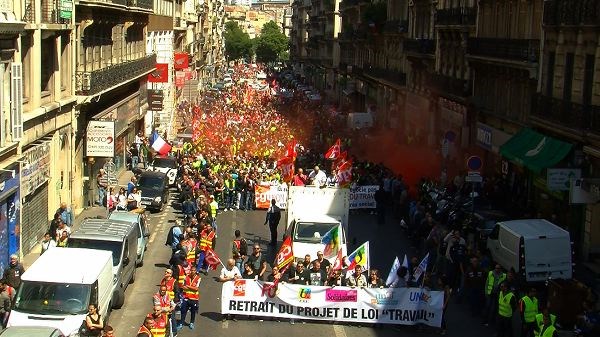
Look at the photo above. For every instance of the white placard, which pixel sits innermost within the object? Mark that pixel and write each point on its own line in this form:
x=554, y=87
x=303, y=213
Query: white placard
x=407, y=306
x=363, y=197
x=100, y=139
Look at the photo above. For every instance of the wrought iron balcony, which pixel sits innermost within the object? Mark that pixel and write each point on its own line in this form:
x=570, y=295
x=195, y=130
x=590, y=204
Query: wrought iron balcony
x=117, y=2
x=420, y=46
x=390, y=75
x=510, y=49
x=29, y=11
x=93, y=82
x=460, y=16
x=571, y=13
x=396, y=27
x=449, y=85
x=144, y=4
x=569, y=114
x=51, y=12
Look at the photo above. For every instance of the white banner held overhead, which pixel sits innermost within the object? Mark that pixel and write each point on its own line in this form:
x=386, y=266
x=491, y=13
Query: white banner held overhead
x=100, y=139
x=407, y=306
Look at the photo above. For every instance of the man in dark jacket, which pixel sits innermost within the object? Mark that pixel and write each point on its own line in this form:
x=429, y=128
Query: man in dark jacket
x=273, y=217
x=12, y=274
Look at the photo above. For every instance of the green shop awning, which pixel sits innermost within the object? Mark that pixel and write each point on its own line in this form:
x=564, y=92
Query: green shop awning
x=534, y=150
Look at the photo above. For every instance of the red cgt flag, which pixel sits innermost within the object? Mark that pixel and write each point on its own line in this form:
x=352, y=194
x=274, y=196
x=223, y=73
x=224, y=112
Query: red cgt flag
x=344, y=173
x=285, y=255
x=212, y=259
x=334, y=150
x=338, y=264
x=290, y=151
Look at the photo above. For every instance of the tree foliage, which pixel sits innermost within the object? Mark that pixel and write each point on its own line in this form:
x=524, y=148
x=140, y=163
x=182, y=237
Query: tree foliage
x=237, y=43
x=272, y=44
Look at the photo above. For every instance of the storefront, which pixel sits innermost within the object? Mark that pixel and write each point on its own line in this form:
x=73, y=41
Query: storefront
x=490, y=139
x=453, y=121
x=34, y=193
x=10, y=224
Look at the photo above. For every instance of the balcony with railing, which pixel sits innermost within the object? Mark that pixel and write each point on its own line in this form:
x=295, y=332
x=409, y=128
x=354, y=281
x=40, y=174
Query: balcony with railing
x=390, y=75
x=460, y=16
x=524, y=50
x=571, y=13
x=96, y=81
x=106, y=3
x=50, y=12
x=420, y=46
x=449, y=85
x=143, y=4
x=396, y=27
x=566, y=114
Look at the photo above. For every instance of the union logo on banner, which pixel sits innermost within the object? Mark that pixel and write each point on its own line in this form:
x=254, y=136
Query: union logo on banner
x=160, y=74
x=181, y=61
x=239, y=288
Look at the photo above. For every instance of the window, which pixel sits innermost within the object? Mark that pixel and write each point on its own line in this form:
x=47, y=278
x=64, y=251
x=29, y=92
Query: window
x=65, y=64
x=25, y=60
x=568, y=84
x=117, y=38
x=106, y=42
x=48, y=65
x=550, y=73
x=588, y=79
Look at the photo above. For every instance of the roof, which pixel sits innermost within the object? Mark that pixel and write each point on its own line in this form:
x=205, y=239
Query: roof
x=109, y=230
x=30, y=331
x=153, y=174
x=534, y=228
x=124, y=216
x=318, y=218
x=68, y=265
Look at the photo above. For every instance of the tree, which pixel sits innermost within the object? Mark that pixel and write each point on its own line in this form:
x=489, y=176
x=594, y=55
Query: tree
x=237, y=43
x=272, y=45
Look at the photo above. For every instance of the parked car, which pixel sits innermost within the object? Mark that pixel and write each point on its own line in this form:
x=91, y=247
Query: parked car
x=155, y=190
x=31, y=331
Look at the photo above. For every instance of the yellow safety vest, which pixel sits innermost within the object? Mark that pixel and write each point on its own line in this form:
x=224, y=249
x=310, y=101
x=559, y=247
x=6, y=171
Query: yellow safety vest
x=539, y=321
x=489, y=284
x=189, y=294
x=549, y=332
x=530, y=309
x=160, y=325
x=214, y=206
x=504, y=308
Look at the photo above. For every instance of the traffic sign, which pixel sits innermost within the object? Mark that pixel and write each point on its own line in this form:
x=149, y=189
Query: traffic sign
x=474, y=177
x=474, y=163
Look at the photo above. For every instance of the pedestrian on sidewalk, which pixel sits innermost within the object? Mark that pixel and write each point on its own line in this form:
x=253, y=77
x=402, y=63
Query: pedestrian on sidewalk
x=12, y=274
x=47, y=243
x=102, y=184
x=66, y=214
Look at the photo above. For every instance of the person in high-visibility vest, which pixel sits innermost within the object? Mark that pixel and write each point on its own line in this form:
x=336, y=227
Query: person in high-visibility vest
x=506, y=307
x=161, y=322
x=206, y=241
x=492, y=285
x=162, y=298
x=528, y=307
x=542, y=317
x=190, y=245
x=146, y=329
x=547, y=329
x=170, y=283
x=190, y=298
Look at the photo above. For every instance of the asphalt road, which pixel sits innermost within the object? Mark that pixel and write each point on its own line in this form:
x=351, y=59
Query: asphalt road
x=386, y=242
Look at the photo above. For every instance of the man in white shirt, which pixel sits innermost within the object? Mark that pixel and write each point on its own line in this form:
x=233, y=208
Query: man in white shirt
x=230, y=273
x=317, y=177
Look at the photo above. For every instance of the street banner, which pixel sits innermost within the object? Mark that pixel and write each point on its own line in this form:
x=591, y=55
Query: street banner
x=179, y=79
x=406, y=306
x=264, y=193
x=360, y=197
x=160, y=74
x=181, y=61
x=363, y=196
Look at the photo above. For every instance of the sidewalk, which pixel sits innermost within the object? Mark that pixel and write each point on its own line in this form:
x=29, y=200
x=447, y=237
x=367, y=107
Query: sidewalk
x=80, y=215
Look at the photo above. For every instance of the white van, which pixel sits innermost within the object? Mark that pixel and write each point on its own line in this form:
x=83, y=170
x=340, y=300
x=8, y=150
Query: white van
x=535, y=248
x=120, y=238
x=58, y=287
x=143, y=232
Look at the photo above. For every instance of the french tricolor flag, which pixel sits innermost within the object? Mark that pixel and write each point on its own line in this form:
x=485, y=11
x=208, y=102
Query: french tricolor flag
x=160, y=146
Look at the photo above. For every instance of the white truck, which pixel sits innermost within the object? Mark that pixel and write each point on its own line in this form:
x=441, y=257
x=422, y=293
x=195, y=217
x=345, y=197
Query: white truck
x=311, y=213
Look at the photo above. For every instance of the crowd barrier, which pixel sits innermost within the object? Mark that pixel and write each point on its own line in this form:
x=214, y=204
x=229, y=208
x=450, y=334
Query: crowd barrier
x=406, y=306
x=360, y=197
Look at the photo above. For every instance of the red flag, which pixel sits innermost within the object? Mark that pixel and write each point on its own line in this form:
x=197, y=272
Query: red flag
x=291, y=150
x=338, y=264
x=211, y=259
x=344, y=173
x=334, y=151
x=341, y=158
x=286, y=165
x=285, y=255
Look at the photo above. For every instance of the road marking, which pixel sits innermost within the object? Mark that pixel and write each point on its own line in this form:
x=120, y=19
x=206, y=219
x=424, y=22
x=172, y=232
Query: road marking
x=159, y=228
x=225, y=324
x=339, y=331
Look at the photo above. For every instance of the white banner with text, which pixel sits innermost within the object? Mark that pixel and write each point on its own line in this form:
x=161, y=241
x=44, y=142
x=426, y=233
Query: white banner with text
x=407, y=306
x=360, y=197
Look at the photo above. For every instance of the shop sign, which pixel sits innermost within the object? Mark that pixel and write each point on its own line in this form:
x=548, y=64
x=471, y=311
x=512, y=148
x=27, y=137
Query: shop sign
x=100, y=139
x=560, y=179
x=155, y=105
x=181, y=61
x=66, y=9
x=179, y=79
x=585, y=191
x=36, y=171
x=484, y=136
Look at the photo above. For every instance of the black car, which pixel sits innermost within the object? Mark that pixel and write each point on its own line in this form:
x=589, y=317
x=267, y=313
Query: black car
x=154, y=187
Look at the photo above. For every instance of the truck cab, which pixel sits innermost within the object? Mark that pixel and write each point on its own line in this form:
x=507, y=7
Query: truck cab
x=307, y=233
